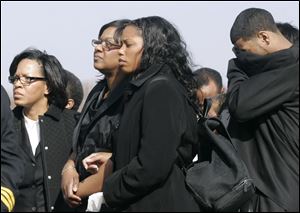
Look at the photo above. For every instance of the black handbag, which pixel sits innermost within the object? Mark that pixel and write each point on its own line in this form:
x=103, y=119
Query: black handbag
x=221, y=182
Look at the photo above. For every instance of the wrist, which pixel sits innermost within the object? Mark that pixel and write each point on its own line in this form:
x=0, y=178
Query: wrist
x=67, y=168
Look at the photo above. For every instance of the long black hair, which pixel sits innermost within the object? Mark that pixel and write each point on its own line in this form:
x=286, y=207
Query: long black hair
x=55, y=75
x=163, y=44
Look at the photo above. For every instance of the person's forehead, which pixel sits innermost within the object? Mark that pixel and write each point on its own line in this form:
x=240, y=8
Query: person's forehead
x=240, y=43
x=131, y=31
x=108, y=33
x=29, y=65
x=210, y=89
x=243, y=44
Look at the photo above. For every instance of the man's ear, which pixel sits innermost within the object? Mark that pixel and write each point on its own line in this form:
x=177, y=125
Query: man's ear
x=223, y=90
x=263, y=38
x=70, y=104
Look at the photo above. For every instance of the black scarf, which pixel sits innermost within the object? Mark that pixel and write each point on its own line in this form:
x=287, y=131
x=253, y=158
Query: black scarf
x=253, y=64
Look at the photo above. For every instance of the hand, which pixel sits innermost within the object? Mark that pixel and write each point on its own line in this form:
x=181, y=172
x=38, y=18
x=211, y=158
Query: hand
x=92, y=162
x=69, y=186
x=212, y=113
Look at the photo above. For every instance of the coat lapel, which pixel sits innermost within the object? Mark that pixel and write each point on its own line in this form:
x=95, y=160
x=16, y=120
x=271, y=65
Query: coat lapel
x=78, y=126
x=91, y=97
x=114, y=96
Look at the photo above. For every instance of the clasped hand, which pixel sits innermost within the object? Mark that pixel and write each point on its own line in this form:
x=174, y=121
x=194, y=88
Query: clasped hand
x=92, y=162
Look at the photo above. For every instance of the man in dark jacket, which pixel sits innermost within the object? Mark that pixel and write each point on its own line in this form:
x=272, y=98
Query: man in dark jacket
x=263, y=101
x=12, y=167
x=210, y=86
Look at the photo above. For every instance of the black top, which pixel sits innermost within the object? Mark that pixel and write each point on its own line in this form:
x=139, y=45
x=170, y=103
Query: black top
x=99, y=120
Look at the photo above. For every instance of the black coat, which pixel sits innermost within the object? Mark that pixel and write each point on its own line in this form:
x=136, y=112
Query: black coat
x=12, y=167
x=264, y=105
x=157, y=126
x=56, y=129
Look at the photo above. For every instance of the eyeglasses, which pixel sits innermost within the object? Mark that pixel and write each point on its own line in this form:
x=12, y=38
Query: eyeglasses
x=107, y=45
x=25, y=80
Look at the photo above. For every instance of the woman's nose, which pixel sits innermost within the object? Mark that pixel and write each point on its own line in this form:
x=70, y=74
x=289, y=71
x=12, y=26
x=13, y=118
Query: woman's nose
x=99, y=48
x=121, y=50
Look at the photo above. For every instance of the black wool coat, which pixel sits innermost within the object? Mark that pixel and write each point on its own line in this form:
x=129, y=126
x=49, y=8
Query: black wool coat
x=157, y=126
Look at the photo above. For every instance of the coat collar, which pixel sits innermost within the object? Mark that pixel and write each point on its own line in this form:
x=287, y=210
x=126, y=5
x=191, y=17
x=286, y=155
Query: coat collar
x=115, y=95
x=253, y=64
x=142, y=77
x=53, y=111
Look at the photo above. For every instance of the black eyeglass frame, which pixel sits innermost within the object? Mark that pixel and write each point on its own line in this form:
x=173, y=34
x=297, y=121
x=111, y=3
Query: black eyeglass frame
x=27, y=80
x=107, y=45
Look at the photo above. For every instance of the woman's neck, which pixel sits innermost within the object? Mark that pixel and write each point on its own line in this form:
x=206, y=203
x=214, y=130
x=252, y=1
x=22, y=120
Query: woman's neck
x=33, y=112
x=113, y=80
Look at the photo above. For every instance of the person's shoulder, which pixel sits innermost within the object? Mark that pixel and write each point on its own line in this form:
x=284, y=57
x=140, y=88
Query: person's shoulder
x=18, y=112
x=69, y=112
x=160, y=78
x=165, y=75
x=166, y=86
x=70, y=116
x=162, y=82
x=96, y=89
x=4, y=97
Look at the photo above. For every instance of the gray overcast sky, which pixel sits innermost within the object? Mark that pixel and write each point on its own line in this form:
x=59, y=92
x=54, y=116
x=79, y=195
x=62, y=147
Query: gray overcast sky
x=65, y=29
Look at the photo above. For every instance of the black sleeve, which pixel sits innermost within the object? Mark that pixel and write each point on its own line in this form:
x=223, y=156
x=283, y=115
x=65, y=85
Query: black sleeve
x=249, y=98
x=162, y=128
x=12, y=167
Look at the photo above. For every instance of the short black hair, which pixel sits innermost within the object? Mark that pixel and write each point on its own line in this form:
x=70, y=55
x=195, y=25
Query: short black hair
x=205, y=74
x=251, y=21
x=117, y=24
x=74, y=89
x=55, y=75
x=289, y=31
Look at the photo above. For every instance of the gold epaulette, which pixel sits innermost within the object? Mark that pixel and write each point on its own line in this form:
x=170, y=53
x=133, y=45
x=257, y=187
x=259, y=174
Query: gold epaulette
x=8, y=198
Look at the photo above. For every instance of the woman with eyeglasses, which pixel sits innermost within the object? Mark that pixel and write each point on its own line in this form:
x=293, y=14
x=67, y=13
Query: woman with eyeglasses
x=99, y=120
x=44, y=128
x=158, y=125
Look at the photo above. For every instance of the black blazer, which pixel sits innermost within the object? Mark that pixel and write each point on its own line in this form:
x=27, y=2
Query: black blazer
x=56, y=129
x=157, y=126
